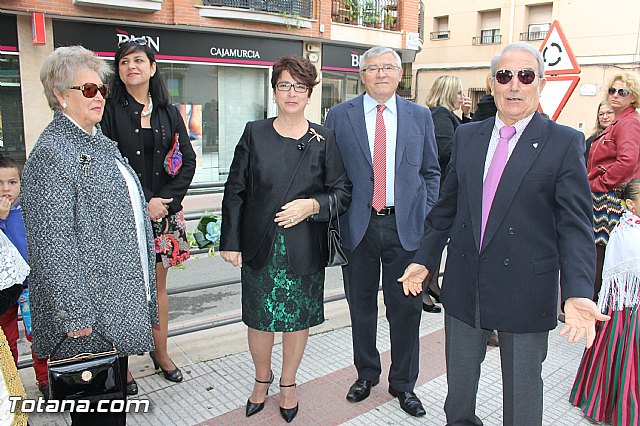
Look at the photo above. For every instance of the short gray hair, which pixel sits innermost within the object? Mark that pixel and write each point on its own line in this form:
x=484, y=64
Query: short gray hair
x=377, y=51
x=525, y=47
x=61, y=66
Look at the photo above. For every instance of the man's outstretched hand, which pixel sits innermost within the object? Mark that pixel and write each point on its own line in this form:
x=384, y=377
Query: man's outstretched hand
x=580, y=319
x=413, y=278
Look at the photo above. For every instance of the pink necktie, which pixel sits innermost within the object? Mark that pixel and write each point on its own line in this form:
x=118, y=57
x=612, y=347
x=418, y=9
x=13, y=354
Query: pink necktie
x=379, y=162
x=498, y=162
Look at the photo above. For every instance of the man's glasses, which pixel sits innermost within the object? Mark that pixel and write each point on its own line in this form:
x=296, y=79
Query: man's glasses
x=285, y=86
x=90, y=90
x=373, y=70
x=142, y=41
x=623, y=93
x=525, y=76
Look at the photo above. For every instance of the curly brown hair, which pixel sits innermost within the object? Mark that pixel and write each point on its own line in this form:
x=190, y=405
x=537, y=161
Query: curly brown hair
x=301, y=69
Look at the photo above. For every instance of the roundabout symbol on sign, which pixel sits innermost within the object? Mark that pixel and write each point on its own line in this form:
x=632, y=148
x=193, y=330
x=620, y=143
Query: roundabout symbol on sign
x=558, y=56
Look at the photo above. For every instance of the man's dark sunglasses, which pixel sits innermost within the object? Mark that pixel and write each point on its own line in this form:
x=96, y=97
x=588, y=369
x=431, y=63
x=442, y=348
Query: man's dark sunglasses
x=142, y=41
x=525, y=76
x=90, y=90
x=623, y=93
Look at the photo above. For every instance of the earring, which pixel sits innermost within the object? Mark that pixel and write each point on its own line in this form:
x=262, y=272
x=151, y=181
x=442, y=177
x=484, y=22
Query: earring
x=308, y=102
x=64, y=105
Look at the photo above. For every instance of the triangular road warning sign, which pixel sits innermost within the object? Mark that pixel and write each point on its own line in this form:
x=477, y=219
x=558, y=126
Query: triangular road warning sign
x=557, y=54
x=556, y=93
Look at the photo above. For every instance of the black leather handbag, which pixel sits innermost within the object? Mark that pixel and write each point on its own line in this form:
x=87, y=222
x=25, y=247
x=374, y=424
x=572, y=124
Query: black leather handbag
x=94, y=377
x=336, y=253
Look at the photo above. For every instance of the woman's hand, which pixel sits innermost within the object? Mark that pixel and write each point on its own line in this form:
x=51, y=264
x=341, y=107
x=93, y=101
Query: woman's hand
x=157, y=208
x=296, y=211
x=466, y=106
x=80, y=333
x=232, y=257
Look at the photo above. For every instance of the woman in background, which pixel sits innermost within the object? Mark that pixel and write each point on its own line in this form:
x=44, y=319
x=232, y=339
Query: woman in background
x=445, y=97
x=151, y=134
x=275, y=211
x=614, y=158
x=603, y=120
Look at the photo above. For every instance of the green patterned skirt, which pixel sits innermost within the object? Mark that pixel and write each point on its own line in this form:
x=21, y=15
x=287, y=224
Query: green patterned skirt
x=274, y=298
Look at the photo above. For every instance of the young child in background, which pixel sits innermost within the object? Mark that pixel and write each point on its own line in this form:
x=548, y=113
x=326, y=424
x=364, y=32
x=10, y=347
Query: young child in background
x=12, y=225
x=607, y=383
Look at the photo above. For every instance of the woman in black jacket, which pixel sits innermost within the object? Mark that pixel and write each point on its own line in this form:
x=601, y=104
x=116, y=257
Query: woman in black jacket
x=445, y=96
x=274, y=225
x=151, y=134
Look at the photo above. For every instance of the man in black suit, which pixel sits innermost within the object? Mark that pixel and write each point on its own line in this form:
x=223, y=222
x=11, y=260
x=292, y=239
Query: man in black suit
x=517, y=208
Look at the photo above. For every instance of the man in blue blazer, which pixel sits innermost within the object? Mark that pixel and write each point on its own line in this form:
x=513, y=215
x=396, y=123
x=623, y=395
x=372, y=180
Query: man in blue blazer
x=389, y=151
x=517, y=208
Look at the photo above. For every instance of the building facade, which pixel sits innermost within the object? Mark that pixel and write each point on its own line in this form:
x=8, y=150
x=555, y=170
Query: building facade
x=462, y=37
x=215, y=56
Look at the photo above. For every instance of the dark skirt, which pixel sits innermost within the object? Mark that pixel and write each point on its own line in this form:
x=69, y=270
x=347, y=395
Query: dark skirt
x=606, y=214
x=274, y=298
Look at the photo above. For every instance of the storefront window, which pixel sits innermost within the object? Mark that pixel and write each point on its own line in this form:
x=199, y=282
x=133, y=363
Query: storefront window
x=11, y=125
x=337, y=88
x=216, y=103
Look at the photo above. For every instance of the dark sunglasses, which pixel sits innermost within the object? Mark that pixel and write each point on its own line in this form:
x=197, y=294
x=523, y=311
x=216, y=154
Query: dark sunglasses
x=90, y=90
x=525, y=76
x=623, y=93
x=142, y=41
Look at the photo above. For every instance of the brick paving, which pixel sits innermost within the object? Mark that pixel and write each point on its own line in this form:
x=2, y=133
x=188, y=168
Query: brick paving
x=215, y=391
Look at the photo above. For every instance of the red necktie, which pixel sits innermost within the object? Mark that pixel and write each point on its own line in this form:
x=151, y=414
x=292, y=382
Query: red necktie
x=498, y=163
x=379, y=162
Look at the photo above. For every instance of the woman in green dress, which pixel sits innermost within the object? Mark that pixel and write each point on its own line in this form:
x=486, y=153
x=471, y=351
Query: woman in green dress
x=274, y=225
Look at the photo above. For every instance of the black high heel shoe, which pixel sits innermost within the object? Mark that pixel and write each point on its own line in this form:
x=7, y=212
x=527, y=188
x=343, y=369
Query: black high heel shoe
x=256, y=407
x=288, y=414
x=433, y=309
x=172, y=376
x=433, y=294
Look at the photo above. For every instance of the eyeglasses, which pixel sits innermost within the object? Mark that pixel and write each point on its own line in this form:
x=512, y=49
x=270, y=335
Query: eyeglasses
x=285, y=86
x=623, y=93
x=525, y=76
x=90, y=90
x=142, y=41
x=373, y=70
x=602, y=114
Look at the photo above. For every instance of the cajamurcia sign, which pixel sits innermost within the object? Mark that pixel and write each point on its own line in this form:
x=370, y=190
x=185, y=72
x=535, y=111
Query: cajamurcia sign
x=221, y=52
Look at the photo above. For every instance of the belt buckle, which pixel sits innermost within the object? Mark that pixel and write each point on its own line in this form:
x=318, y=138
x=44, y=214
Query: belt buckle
x=382, y=212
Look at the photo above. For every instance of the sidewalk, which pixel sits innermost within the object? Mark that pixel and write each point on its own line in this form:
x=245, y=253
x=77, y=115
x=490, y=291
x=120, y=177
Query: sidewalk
x=219, y=377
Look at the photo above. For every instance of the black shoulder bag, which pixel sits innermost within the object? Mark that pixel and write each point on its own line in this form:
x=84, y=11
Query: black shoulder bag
x=336, y=253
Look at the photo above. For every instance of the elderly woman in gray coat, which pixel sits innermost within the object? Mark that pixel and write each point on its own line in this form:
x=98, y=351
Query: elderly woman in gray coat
x=89, y=236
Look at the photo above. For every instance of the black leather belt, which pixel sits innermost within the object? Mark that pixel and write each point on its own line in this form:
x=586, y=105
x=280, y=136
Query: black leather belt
x=386, y=211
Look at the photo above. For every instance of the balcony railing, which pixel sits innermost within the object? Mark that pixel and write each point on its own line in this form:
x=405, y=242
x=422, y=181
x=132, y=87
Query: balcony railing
x=532, y=36
x=488, y=39
x=303, y=8
x=366, y=13
x=440, y=35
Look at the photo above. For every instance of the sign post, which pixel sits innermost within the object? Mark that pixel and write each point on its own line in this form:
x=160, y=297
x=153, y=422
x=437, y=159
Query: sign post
x=561, y=69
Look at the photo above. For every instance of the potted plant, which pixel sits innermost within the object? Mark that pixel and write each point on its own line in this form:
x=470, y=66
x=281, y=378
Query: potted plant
x=353, y=11
x=371, y=16
x=390, y=22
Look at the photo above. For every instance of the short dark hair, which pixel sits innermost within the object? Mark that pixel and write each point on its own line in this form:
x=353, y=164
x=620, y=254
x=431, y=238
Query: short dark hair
x=629, y=190
x=9, y=163
x=300, y=68
x=157, y=86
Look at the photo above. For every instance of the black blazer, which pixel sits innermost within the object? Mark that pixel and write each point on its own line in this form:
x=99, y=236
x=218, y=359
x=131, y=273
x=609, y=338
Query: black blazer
x=121, y=123
x=255, y=192
x=539, y=226
x=445, y=123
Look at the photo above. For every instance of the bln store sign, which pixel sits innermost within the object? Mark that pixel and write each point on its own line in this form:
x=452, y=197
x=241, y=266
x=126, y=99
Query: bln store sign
x=176, y=45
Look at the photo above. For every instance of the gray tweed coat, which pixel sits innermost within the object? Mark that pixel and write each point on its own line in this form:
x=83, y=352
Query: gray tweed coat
x=83, y=247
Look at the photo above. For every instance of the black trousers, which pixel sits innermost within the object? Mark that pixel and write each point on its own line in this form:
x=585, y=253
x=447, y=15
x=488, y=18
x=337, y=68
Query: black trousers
x=381, y=247
x=104, y=419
